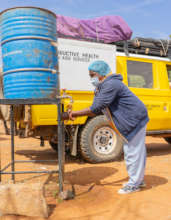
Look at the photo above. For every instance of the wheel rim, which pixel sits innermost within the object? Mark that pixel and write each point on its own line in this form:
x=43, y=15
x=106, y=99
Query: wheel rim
x=104, y=140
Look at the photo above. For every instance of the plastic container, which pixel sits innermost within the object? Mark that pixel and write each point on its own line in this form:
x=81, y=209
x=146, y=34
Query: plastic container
x=29, y=54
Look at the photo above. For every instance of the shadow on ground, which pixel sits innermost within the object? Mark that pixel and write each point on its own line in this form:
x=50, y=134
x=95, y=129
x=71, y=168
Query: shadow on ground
x=3, y=138
x=158, y=149
x=86, y=176
x=47, y=154
x=150, y=180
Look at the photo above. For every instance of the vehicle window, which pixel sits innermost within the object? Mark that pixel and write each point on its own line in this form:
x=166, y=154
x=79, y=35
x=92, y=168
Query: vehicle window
x=169, y=73
x=139, y=74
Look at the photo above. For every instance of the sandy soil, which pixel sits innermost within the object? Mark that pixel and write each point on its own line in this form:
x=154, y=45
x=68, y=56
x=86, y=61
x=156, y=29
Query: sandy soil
x=96, y=185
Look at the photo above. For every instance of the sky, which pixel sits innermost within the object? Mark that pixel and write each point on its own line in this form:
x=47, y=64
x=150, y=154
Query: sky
x=146, y=18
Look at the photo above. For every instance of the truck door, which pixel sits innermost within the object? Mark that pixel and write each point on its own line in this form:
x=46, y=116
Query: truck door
x=148, y=80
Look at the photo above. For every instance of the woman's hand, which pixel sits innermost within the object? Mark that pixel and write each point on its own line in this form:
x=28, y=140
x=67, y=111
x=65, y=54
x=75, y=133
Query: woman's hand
x=64, y=116
x=67, y=115
x=70, y=115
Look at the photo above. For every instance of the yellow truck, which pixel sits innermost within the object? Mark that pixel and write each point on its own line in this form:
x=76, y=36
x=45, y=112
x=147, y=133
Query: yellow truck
x=147, y=76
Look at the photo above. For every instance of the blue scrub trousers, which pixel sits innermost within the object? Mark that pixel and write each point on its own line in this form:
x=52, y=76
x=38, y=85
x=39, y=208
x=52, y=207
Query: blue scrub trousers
x=135, y=158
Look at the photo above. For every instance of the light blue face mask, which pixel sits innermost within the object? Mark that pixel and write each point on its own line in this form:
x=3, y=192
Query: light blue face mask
x=95, y=81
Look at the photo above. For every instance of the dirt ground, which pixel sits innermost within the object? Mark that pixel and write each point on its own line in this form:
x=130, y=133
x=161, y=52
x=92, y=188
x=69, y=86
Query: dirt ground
x=96, y=185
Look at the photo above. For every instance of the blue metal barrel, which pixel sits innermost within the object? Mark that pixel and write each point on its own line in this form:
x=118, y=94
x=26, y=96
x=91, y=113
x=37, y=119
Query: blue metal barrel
x=29, y=54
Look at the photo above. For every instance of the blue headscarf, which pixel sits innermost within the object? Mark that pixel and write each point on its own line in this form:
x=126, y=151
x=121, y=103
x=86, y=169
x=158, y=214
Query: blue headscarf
x=100, y=67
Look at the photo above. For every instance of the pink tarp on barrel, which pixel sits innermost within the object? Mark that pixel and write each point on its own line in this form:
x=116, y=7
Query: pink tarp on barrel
x=106, y=29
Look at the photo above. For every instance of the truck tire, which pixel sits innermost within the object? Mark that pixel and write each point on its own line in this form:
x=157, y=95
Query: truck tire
x=54, y=146
x=99, y=142
x=168, y=140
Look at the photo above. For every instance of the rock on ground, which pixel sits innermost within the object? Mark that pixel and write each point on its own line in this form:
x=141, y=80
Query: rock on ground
x=23, y=199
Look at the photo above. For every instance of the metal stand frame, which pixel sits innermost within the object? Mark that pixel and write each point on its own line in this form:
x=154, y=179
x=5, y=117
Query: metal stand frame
x=60, y=135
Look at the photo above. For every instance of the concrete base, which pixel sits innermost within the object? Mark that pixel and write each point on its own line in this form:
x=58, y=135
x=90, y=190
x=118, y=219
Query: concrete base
x=23, y=199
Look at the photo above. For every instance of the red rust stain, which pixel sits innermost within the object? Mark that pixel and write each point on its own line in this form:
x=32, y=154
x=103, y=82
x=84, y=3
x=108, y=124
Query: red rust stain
x=36, y=51
x=48, y=79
